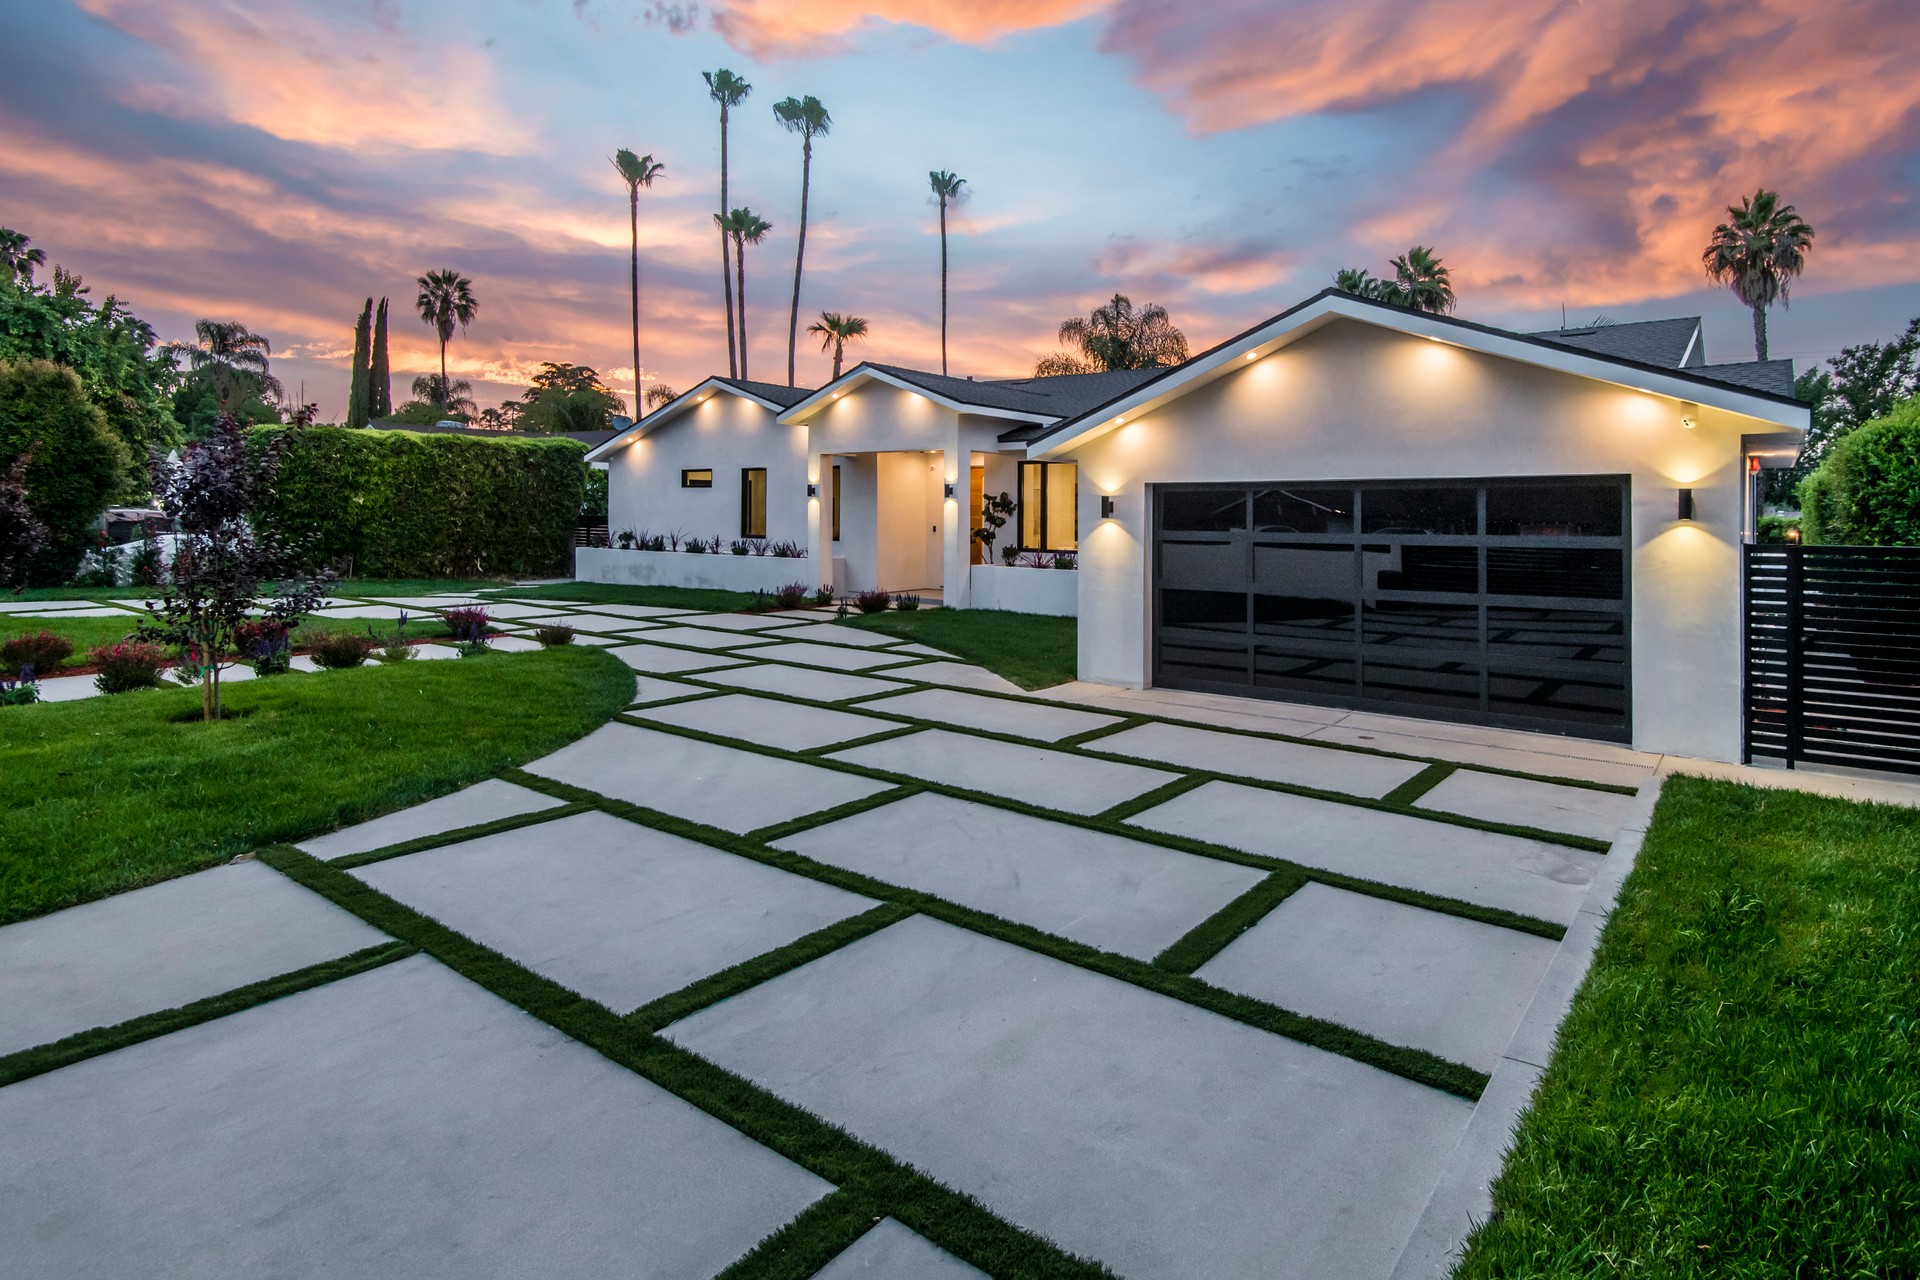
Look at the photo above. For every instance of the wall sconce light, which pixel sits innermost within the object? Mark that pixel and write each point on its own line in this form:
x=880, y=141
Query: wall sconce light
x=1686, y=504
x=949, y=490
x=1793, y=535
x=1106, y=506
x=1688, y=422
x=813, y=490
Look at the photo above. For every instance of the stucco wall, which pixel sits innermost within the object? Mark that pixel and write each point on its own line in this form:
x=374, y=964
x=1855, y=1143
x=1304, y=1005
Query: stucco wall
x=679, y=569
x=1355, y=402
x=726, y=433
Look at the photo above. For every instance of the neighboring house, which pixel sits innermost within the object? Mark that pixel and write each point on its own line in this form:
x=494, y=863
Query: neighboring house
x=1351, y=504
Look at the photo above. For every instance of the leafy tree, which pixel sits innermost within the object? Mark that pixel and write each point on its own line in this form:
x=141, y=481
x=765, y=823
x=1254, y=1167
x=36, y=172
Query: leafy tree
x=1861, y=383
x=229, y=570
x=434, y=395
x=231, y=360
x=75, y=464
x=836, y=331
x=660, y=394
x=636, y=172
x=729, y=90
x=502, y=417
x=567, y=397
x=18, y=257
x=360, y=389
x=1757, y=253
x=1866, y=491
x=1420, y=282
x=806, y=117
x=743, y=227
x=947, y=191
x=21, y=533
x=1116, y=337
x=380, y=396
x=446, y=299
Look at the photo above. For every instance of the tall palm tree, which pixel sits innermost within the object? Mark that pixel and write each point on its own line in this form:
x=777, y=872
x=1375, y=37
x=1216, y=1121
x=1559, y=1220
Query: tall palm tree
x=446, y=299
x=636, y=172
x=232, y=359
x=729, y=90
x=17, y=256
x=1116, y=336
x=836, y=331
x=1757, y=253
x=1360, y=282
x=946, y=189
x=743, y=227
x=1420, y=282
x=806, y=117
x=454, y=397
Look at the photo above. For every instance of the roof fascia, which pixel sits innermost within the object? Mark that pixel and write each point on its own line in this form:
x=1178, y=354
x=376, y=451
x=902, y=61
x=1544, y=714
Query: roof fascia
x=661, y=417
x=867, y=373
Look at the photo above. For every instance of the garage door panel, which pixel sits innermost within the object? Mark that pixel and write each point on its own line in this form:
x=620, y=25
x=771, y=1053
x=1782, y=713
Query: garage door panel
x=1209, y=566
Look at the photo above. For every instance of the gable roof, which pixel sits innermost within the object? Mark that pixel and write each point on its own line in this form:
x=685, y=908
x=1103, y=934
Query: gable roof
x=770, y=396
x=1720, y=390
x=1671, y=344
x=1774, y=377
x=1036, y=402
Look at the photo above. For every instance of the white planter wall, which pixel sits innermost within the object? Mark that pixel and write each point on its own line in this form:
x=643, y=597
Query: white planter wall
x=1026, y=590
x=725, y=572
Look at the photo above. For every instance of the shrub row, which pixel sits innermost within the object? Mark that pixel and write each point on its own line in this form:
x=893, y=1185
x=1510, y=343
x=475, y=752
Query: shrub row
x=1866, y=491
x=397, y=504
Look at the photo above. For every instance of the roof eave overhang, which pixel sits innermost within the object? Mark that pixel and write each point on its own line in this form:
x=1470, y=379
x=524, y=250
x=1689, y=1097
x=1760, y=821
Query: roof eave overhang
x=1289, y=327
x=668, y=412
x=861, y=374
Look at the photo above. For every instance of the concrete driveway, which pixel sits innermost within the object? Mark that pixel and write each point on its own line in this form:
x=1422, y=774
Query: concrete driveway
x=1174, y=986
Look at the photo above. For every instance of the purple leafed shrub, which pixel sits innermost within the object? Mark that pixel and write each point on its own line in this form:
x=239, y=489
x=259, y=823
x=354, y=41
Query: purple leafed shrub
x=792, y=596
x=40, y=651
x=129, y=665
x=468, y=623
x=872, y=601
x=553, y=635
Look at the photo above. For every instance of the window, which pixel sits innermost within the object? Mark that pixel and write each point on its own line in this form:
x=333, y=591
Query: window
x=1049, y=506
x=836, y=502
x=753, y=502
x=702, y=478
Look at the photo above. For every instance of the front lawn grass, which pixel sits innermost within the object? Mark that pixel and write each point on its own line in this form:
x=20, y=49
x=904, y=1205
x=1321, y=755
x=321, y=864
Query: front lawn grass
x=1032, y=650
x=85, y=633
x=116, y=792
x=353, y=587
x=1734, y=1092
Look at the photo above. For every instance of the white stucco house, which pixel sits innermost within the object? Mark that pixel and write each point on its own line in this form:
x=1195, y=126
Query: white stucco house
x=1350, y=503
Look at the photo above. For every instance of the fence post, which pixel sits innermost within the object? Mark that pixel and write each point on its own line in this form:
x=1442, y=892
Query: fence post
x=1795, y=668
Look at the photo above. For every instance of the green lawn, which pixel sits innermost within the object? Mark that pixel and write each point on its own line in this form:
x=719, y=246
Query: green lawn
x=1031, y=650
x=85, y=633
x=345, y=587
x=1736, y=1092
x=115, y=792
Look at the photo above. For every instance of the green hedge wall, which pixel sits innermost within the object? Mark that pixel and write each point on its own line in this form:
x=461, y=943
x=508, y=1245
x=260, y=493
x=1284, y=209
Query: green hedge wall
x=400, y=504
x=1866, y=490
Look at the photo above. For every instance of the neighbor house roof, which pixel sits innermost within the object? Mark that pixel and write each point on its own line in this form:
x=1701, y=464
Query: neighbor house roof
x=1671, y=344
x=1749, y=392
x=770, y=396
x=1772, y=376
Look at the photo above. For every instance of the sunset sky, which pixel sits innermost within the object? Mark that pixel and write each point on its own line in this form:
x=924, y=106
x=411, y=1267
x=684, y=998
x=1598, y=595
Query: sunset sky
x=276, y=161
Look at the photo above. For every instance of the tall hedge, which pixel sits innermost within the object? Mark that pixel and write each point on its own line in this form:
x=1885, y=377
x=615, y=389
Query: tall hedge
x=78, y=464
x=1866, y=490
x=400, y=504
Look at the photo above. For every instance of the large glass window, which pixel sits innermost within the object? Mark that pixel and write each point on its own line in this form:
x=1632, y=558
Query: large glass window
x=1049, y=506
x=753, y=502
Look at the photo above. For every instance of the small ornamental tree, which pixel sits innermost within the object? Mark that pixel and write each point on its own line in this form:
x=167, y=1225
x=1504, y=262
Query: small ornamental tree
x=227, y=573
x=21, y=534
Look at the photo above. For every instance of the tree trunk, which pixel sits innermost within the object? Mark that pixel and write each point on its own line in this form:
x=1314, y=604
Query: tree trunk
x=793, y=315
x=839, y=346
x=1760, y=333
x=633, y=223
x=943, y=285
x=740, y=274
x=446, y=391
x=209, y=708
x=726, y=282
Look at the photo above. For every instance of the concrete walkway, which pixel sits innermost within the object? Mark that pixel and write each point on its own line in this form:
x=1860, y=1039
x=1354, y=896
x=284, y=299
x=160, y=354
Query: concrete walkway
x=1021, y=1031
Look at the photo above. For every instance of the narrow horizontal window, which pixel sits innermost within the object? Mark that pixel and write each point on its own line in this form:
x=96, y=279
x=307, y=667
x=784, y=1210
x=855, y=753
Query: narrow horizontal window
x=697, y=479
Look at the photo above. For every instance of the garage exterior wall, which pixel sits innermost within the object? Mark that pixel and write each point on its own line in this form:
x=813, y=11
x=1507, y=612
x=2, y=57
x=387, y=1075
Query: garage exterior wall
x=725, y=433
x=1353, y=401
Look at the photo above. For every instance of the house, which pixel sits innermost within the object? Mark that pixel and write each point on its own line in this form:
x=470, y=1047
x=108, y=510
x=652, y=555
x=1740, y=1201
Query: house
x=1349, y=504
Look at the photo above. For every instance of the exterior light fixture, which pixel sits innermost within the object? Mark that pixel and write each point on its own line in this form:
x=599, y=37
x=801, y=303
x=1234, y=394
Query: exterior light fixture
x=1106, y=506
x=813, y=490
x=1793, y=535
x=1688, y=422
x=1252, y=354
x=1686, y=504
x=949, y=490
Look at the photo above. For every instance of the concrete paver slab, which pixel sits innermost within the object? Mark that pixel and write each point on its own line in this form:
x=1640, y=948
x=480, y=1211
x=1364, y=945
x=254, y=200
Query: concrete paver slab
x=1552, y=764
x=513, y=644
x=48, y=608
x=837, y=656
x=835, y=633
x=742, y=621
x=1154, y=1136
x=960, y=675
x=699, y=637
x=635, y=610
x=1322, y=768
x=967, y=710
x=1036, y=775
x=166, y=945
x=783, y=725
x=723, y=787
x=430, y=602
x=803, y=682
x=651, y=689
x=1409, y=976
x=401, y=1122
x=1522, y=802
x=68, y=689
x=924, y=650
x=661, y=660
x=892, y=1252
x=619, y=912
x=351, y=610
x=1532, y=877
x=497, y=610
x=488, y=801
x=1104, y=890
x=614, y=626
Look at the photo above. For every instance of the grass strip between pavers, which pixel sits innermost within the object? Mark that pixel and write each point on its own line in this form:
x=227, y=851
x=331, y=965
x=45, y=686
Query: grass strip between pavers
x=824, y=1230
x=457, y=835
x=954, y=1221
x=27, y=1063
x=1417, y=1065
x=1210, y=937
x=1419, y=784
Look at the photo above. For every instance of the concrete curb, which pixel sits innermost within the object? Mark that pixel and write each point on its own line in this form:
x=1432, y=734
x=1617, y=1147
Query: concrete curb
x=1463, y=1198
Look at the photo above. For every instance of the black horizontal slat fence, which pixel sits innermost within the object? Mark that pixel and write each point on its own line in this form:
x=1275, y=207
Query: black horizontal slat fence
x=1833, y=656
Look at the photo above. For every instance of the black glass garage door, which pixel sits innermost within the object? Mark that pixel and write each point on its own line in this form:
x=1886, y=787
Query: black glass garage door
x=1501, y=602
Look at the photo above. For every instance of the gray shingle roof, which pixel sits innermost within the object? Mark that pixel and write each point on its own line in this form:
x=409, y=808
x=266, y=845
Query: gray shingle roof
x=1663, y=343
x=1772, y=376
x=1060, y=397
x=784, y=396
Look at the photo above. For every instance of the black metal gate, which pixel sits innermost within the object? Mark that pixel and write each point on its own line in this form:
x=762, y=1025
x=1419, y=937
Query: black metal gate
x=1833, y=656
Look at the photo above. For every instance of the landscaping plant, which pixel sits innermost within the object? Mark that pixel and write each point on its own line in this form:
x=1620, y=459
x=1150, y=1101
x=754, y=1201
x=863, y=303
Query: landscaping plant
x=823, y=594
x=469, y=626
x=394, y=645
x=339, y=650
x=872, y=601
x=995, y=510
x=21, y=533
x=264, y=646
x=553, y=634
x=791, y=596
x=124, y=667
x=41, y=651
x=21, y=691
x=906, y=603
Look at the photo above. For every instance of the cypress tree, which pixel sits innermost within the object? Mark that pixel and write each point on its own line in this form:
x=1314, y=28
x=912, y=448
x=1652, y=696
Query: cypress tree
x=381, y=397
x=358, y=402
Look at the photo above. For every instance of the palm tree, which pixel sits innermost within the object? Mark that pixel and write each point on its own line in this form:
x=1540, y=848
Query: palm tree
x=449, y=398
x=837, y=331
x=636, y=172
x=806, y=117
x=729, y=90
x=18, y=258
x=1115, y=336
x=1757, y=253
x=744, y=227
x=1359, y=281
x=1420, y=282
x=946, y=189
x=660, y=394
x=446, y=299
x=232, y=358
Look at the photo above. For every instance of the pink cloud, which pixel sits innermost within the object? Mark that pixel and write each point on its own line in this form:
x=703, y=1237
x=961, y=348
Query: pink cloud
x=787, y=28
